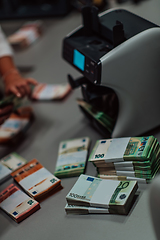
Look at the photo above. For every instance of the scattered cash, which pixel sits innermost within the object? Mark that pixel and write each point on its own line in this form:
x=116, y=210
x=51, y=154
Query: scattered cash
x=135, y=157
x=17, y=204
x=72, y=157
x=36, y=180
x=114, y=195
x=51, y=91
x=17, y=123
x=10, y=163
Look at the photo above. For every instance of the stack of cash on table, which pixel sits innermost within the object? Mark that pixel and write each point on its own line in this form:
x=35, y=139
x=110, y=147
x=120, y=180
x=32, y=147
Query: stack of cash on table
x=17, y=204
x=132, y=158
x=72, y=157
x=96, y=195
x=36, y=180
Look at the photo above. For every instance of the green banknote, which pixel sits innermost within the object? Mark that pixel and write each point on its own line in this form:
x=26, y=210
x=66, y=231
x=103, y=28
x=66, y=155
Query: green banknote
x=139, y=147
x=137, y=157
x=102, y=118
x=123, y=149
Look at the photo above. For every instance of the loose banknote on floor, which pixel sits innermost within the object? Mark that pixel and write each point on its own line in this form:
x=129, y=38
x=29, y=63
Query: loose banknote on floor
x=10, y=163
x=36, y=180
x=114, y=195
x=136, y=158
x=72, y=157
x=17, y=204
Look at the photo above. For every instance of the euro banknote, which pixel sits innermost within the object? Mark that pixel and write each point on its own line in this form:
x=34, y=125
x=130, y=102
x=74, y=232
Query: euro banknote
x=122, y=149
x=100, y=117
x=36, y=180
x=72, y=157
x=17, y=204
x=123, y=178
x=73, y=209
x=114, y=195
x=10, y=163
x=137, y=157
x=45, y=91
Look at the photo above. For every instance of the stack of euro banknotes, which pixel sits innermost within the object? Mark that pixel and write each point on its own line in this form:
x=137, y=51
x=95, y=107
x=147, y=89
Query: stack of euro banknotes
x=102, y=121
x=35, y=181
x=72, y=157
x=127, y=158
x=95, y=195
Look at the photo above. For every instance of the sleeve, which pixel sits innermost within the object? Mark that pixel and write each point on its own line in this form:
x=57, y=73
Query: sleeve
x=5, y=48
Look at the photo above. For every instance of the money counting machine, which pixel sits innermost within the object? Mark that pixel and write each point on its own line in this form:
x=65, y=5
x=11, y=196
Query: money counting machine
x=118, y=55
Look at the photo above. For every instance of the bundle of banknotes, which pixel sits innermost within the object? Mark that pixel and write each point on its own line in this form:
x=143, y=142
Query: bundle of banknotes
x=26, y=35
x=95, y=195
x=36, y=180
x=10, y=163
x=127, y=158
x=72, y=157
x=73, y=209
x=16, y=124
x=11, y=99
x=17, y=204
x=51, y=91
x=103, y=122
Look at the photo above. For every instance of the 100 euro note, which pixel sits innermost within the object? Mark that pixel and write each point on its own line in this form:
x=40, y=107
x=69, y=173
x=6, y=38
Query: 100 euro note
x=146, y=171
x=116, y=150
x=72, y=157
x=152, y=161
x=114, y=195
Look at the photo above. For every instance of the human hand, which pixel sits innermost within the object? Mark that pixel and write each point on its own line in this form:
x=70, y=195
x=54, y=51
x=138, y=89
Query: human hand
x=5, y=112
x=19, y=86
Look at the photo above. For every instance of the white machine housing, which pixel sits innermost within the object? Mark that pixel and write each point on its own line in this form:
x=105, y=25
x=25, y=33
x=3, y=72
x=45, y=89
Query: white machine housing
x=133, y=72
x=131, y=68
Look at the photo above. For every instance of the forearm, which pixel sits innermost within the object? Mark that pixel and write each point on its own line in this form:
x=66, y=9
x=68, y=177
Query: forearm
x=7, y=66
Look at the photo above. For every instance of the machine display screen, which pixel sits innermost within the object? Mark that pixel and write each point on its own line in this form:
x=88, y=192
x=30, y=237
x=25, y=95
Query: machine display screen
x=78, y=60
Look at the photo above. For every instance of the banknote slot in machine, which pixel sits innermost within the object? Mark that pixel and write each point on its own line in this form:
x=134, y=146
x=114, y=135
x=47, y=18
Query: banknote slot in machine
x=117, y=55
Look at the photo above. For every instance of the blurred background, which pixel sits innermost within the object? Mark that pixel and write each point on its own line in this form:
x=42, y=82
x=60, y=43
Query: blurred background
x=18, y=9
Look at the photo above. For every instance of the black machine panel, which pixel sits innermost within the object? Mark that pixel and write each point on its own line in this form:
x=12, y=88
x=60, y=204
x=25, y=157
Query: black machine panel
x=98, y=35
